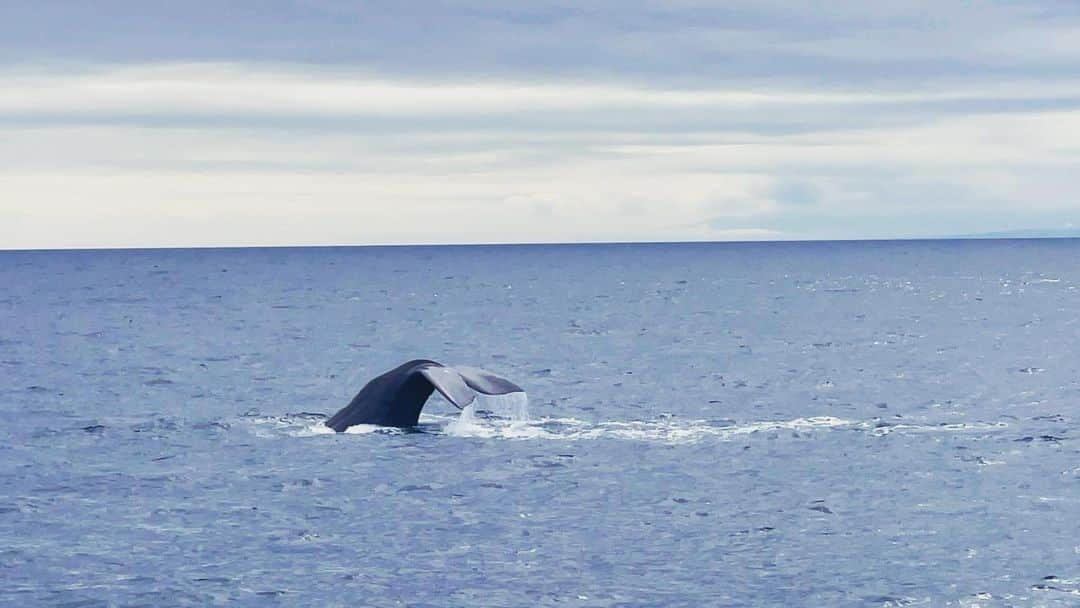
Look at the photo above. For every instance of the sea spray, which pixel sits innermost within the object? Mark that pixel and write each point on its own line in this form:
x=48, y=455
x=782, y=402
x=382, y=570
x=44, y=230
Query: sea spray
x=465, y=423
x=491, y=415
x=511, y=406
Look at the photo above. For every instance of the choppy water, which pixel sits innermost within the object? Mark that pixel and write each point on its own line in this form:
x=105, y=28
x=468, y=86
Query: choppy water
x=819, y=424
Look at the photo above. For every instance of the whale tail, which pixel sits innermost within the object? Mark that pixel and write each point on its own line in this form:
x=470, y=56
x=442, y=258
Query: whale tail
x=483, y=381
x=460, y=384
x=396, y=397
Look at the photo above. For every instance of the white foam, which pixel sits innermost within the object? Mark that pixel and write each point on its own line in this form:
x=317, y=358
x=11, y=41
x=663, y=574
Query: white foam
x=664, y=430
x=359, y=429
x=952, y=427
x=676, y=431
x=671, y=430
x=290, y=425
x=503, y=418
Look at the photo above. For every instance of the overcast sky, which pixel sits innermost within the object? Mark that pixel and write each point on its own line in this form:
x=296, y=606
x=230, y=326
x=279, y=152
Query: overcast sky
x=141, y=123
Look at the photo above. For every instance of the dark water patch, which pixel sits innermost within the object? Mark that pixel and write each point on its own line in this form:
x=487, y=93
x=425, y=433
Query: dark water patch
x=157, y=425
x=1042, y=438
x=752, y=531
x=891, y=601
x=116, y=300
x=213, y=580
x=158, y=382
x=78, y=603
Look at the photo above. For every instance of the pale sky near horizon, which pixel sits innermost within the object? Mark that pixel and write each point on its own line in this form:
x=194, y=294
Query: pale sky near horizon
x=152, y=124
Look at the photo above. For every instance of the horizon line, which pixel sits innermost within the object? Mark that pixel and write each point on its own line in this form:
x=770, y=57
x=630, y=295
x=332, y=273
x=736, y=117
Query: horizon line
x=971, y=237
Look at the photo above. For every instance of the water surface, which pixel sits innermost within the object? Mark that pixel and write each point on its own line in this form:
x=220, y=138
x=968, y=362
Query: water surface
x=815, y=424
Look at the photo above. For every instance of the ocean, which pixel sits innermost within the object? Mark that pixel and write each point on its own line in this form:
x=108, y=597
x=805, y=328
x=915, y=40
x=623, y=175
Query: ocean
x=740, y=424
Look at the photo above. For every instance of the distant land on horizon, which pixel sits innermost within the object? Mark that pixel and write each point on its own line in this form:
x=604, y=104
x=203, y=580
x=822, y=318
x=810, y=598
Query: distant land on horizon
x=1034, y=233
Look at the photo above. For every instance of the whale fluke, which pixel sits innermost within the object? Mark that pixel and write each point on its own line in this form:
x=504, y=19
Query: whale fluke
x=396, y=397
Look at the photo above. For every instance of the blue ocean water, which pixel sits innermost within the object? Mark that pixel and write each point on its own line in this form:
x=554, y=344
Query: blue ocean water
x=800, y=424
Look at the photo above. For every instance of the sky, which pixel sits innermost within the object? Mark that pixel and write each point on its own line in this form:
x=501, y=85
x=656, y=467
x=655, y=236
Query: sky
x=325, y=122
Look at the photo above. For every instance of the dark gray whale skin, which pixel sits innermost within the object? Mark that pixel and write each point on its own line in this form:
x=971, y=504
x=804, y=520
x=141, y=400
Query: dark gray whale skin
x=396, y=397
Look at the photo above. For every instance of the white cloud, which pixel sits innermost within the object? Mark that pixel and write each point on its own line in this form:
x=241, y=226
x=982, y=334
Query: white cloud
x=253, y=154
x=180, y=92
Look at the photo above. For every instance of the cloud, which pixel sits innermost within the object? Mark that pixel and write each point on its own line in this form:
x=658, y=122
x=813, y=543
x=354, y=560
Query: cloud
x=299, y=96
x=254, y=154
x=325, y=121
x=795, y=193
x=886, y=44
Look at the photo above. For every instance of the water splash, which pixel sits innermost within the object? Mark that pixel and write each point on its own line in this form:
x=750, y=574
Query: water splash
x=465, y=424
x=493, y=415
x=512, y=406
